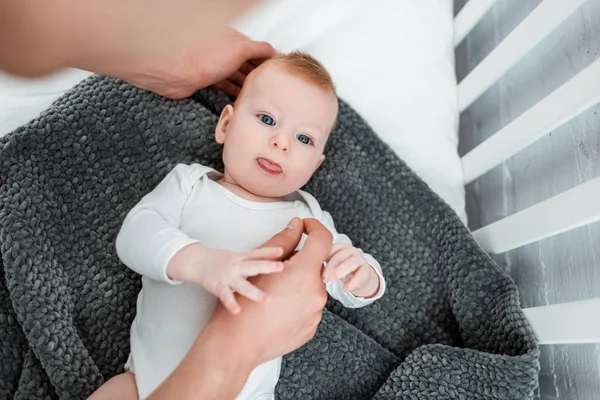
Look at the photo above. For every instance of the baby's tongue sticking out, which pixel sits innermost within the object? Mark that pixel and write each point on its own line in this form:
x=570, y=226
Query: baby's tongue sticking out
x=269, y=166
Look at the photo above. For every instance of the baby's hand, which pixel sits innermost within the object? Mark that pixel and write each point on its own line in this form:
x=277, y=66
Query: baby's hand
x=223, y=272
x=347, y=263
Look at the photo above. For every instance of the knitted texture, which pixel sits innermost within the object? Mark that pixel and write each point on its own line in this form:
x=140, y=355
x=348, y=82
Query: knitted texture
x=449, y=326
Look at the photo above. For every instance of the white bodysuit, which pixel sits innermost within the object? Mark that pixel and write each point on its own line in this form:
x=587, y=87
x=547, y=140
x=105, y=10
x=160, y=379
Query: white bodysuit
x=189, y=206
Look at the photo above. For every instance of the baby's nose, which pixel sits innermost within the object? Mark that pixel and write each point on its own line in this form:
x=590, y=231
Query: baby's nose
x=280, y=142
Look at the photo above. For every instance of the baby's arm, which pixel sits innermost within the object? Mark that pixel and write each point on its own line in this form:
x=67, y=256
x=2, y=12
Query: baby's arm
x=151, y=243
x=335, y=287
x=150, y=235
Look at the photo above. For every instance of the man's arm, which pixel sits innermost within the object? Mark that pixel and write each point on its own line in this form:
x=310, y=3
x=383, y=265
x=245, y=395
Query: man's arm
x=153, y=44
x=215, y=368
x=230, y=346
x=38, y=37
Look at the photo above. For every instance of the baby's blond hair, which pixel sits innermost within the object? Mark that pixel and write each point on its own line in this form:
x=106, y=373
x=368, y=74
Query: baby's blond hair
x=305, y=66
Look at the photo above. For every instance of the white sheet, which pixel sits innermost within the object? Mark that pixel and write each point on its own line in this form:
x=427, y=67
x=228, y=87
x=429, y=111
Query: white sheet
x=392, y=60
x=21, y=99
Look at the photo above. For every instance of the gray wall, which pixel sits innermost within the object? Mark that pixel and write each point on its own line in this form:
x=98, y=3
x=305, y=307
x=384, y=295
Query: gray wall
x=566, y=267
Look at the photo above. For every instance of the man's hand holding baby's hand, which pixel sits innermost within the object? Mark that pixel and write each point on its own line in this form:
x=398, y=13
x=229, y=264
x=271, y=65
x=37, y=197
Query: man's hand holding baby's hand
x=347, y=263
x=223, y=272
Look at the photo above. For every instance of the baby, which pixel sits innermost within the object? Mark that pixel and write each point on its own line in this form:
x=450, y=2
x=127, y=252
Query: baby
x=194, y=237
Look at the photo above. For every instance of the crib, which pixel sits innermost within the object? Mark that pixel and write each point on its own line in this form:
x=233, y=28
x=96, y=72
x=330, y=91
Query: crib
x=498, y=150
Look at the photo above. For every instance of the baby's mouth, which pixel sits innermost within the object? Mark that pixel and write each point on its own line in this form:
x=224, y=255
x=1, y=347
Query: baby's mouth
x=269, y=166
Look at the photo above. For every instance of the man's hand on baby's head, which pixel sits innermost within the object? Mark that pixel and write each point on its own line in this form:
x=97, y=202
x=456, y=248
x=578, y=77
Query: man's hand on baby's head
x=224, y=60
x=347, y=263
x=232, y=85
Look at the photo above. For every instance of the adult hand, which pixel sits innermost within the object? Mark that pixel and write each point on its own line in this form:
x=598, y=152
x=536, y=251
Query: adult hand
x=296, y=297
x=225, y=61
x=232, y=85
x=171, y=47
x=230, y=346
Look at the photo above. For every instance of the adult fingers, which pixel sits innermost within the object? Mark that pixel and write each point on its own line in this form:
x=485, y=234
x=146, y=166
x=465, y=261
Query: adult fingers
x=264, y=253
x=237, y=78
x=253, y=50
x=248, y=290
x=246, y=68
x=256, y=62
x=288, y=238
x=232, y=91
x=317, y=246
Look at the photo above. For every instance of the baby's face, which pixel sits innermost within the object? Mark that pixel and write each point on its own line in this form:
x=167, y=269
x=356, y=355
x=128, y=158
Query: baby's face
x=275, y=134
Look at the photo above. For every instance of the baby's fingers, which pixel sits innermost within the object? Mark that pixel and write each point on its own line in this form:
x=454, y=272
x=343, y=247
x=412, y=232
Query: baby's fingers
x=264, y=253
x=358, y=280
x=336, y=247
x=252, y=268
x=250, y=291
x=344, y=268
x=343, y=254
x=228, y=299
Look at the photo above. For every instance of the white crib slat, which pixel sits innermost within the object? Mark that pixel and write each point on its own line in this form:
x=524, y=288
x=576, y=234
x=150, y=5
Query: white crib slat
x=468, y=17
x=575, y=322
x=539, y=24
x=571, y=209
x=565, y=103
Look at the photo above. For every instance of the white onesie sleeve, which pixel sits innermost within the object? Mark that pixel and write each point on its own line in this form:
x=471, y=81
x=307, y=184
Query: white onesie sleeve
x=335, y=288
x=150, y=234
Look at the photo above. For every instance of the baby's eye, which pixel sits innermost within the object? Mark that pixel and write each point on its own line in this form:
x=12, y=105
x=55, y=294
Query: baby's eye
x=304, y=139
x=267, y=120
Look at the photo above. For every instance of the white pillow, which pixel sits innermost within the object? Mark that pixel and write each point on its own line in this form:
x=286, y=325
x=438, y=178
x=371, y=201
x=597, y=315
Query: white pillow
x=22, y=100
x=393, y=61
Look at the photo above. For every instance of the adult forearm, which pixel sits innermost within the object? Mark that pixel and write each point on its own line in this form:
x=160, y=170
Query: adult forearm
x=37, y=37
x=231, y=346
x=214, y=368
x=23, y=37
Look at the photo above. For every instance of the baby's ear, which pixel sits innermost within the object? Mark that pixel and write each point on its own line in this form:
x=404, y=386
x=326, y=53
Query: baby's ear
x=223, y=124
x=320, y=161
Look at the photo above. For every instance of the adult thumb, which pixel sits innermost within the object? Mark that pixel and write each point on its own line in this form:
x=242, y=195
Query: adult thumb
x=288, y=238
x=317, y=246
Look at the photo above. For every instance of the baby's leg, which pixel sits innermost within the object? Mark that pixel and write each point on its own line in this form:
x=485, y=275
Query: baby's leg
x=120, y=387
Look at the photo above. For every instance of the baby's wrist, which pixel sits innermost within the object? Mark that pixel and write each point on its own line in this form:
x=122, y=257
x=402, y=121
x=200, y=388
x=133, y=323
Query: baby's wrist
x=372, y=287
x=182, y=266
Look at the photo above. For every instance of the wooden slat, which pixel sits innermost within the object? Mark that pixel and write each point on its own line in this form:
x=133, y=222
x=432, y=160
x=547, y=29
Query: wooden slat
x=539, y=24
x=565, y=103
x=571, y=209
x=469, y=16
x=567, y=323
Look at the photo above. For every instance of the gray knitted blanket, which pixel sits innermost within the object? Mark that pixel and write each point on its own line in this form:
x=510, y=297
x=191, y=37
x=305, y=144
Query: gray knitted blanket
x=449, y=327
